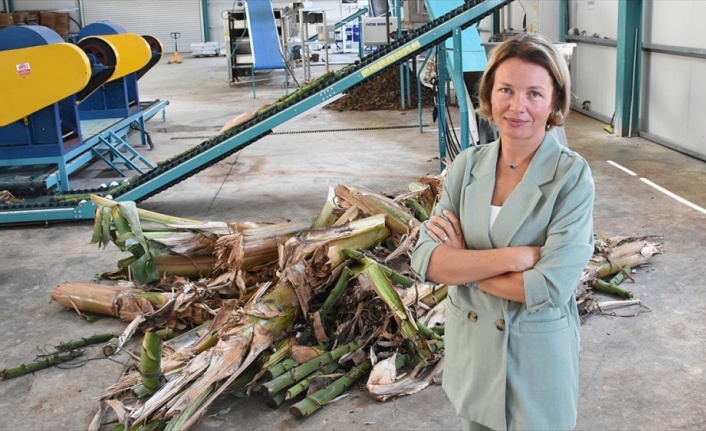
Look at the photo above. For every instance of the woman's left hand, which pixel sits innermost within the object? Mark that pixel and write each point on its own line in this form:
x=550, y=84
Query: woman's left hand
x=446, y=229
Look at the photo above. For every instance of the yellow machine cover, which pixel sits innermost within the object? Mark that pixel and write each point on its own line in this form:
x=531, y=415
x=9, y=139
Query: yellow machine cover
x=35, y=77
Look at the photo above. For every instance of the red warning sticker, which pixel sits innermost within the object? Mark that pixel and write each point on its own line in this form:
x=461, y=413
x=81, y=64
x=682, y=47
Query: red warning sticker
x=24, y=69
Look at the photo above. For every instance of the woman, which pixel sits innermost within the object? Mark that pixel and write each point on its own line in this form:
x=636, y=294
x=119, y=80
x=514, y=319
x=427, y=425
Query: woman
x=512, y=232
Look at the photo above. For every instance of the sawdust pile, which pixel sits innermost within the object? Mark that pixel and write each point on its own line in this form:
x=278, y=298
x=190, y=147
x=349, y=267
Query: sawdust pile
x=382, y=92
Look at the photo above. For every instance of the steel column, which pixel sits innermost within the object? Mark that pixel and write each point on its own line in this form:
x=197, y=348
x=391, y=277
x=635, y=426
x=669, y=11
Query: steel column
x=629, y=61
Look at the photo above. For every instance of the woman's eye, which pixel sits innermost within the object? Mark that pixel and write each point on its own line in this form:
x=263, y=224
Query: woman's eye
x=535, y=95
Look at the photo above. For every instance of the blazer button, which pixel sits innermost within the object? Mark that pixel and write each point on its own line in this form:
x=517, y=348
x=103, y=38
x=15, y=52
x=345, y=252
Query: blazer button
x=472, y=316
x=500, y=324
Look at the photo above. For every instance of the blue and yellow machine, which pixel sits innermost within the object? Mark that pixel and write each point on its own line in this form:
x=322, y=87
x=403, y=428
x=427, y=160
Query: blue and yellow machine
x=65, y=104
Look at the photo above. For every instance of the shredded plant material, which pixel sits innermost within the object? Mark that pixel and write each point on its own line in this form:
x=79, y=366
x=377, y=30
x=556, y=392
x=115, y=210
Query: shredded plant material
x=297, y=311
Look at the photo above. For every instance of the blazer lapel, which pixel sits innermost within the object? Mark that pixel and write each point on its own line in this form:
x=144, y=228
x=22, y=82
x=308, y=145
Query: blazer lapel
x=477, y=196
x=521, y=203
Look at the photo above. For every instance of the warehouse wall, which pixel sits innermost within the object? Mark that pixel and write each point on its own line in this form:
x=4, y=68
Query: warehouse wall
x=674, y=87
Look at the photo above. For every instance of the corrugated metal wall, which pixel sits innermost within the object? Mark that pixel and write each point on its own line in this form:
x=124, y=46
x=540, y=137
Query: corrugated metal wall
x=156, y=18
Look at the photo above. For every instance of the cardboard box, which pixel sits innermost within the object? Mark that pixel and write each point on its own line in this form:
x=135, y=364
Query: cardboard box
x=20, y=17
x=61, y=18
x=6, y=20
x=33, y=17
x=47, y=19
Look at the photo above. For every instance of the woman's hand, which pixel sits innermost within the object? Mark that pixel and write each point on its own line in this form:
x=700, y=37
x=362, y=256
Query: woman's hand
x=446, y=229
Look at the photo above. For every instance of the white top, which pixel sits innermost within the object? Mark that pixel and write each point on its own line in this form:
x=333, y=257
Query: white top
x=494, y=210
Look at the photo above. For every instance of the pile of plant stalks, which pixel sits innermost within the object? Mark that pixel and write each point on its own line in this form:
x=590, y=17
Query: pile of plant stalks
x=297, y=311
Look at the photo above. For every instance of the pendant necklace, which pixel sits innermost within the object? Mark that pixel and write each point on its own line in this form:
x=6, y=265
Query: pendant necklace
x=512, y=165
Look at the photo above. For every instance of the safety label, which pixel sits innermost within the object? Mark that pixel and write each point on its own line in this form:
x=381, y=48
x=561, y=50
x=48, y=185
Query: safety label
x=24, y=69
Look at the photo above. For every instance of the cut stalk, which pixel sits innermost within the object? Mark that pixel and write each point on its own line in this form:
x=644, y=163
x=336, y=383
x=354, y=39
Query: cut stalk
x=320, y=398
x=398, y=219
x=292, y=377
x=83, y=342
x=602, y=286
x=150, y=361
x=384, y=289
x=389, y=272
x=304, y=383
x=45, y=362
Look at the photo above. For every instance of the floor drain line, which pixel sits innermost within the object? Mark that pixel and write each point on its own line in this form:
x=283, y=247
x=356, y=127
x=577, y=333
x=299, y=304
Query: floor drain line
x=299, y=132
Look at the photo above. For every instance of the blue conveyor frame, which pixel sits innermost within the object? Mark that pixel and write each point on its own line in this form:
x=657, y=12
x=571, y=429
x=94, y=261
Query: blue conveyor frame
x=458, y=18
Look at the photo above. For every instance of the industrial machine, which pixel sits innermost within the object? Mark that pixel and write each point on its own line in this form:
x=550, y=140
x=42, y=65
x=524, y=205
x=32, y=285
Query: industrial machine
x=75, y=205
x=65, y=104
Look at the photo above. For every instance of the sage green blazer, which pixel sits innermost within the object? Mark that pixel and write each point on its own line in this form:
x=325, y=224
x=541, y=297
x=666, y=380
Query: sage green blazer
x=511, y=365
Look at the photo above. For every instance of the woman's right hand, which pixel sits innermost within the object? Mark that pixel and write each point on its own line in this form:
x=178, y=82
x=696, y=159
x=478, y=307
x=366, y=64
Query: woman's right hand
x=526, y=257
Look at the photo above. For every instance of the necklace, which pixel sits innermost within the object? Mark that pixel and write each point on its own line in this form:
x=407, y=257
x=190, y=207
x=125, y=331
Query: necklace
x=513, y=165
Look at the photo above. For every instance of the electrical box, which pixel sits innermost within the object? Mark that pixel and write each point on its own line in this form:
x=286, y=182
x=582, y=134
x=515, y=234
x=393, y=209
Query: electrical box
x=376, y=30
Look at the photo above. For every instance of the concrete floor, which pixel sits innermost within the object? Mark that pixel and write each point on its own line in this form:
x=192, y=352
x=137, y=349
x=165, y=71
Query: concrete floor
x=642, y=372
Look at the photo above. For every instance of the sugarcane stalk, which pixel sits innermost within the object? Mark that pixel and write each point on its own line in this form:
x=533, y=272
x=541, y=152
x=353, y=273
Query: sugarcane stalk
x=41, y=363
x=602, y=286
x=90, y=297
x=303, y=384
x=145, y=214
x=436, y=296
x=83, y=342
x=389, y=272
x=335, y=294
x=280, y=368
x=418, y=209
x=326, y=217
x=165, y=334
x=396, y=217
x=111, y=347
x=384, y=289
x=428, y=332
x=318, y=399
x=275, y=400
x=101, y=299
x=150, y=361
x=293, y=376
x=619, y=277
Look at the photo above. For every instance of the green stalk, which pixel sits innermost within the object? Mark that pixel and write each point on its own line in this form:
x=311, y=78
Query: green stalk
x=619, y=277
x=324, y=396
x=275, y=400
x=145, y=215
x=45, y=362
x=293, y=376
x=428, y=332
x=83, y=342
x=304, y=384
x=602, y=286
x=336, y=292
x=389, y=272
x=150, y=361
x=418, y=209
x=384, y=289
x=165, y=334
x=281, y=368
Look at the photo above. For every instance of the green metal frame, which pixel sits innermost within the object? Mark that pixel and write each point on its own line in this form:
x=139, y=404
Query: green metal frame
x=629, y=67
x=206, y=22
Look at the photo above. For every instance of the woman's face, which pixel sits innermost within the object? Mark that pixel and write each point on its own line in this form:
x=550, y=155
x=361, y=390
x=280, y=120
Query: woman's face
x=522, y=99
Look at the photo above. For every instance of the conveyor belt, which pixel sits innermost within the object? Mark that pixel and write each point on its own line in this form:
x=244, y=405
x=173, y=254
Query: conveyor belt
x=76, y=205
x=264, y=39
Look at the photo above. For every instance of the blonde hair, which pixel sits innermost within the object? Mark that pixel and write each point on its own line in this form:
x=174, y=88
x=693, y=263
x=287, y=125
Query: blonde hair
x=534, y=49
